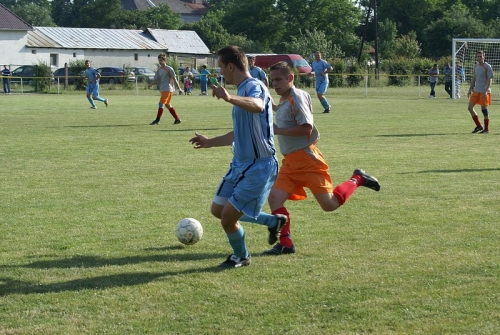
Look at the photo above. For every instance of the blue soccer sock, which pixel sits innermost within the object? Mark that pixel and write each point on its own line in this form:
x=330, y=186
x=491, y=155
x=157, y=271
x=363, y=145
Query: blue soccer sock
x=100, y=99
x=263, y=219
x=91, y=101
x=325, y=104
x=237, y=242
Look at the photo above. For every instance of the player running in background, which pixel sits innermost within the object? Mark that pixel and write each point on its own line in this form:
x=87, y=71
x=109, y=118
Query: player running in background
x=257, y=72
x=93, y=85
x=163, y=79
x=245, y=187
x=482, y=77
x=303, y=164
x=320, y=69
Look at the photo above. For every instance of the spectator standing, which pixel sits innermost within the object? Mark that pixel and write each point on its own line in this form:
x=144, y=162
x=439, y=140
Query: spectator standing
x=480, y=92
x=6, y=74
x=188, y=80
x=204, y=74
x=448, y=79
x=433, y=77
x=320, y=69
x=257, y=72
x=164, y=78
x=459, y=78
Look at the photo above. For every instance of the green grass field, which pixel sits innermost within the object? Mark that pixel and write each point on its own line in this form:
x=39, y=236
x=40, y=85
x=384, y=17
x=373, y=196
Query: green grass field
x=89, y=201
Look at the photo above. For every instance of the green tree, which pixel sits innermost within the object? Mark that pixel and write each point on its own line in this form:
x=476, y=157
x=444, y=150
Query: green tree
x=210, y=30
x=257, y=20
x=387, y=34
x=307, y=43
x=407, y=46
x=456, y=22
x=34, y=14
x=162, y=17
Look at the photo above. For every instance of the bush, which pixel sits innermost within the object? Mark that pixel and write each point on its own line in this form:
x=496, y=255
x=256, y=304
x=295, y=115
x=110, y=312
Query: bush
x=356, y=75
x=338, y=68
x=399, y=70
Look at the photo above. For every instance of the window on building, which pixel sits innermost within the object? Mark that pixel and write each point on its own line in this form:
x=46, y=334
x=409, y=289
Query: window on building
x=54, y=59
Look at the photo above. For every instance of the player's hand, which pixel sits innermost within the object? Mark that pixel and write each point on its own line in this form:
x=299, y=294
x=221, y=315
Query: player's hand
x=200, y=141
x=220, y=92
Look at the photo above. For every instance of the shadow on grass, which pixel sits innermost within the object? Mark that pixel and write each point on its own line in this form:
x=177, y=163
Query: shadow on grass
x=454, y=171
x=424, y=135
x=82, y=261
x=15, y=286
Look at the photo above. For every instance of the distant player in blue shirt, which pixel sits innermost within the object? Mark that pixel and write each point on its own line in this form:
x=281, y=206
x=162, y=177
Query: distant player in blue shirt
x=321, y=68
x=257, y=72
x=93, y=85
x=204, y=74
x=6, y=79
x=254, y=167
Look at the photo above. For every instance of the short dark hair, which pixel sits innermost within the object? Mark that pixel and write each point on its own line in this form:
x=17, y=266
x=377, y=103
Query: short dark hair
x=282, y=66
x=162, y=56
x=233, y=54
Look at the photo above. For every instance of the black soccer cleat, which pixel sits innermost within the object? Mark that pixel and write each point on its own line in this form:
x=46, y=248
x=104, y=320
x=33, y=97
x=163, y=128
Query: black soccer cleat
x=368, y=181
x=234, y=261
x=478, y=128
x=177, y=121
x=155, y=122
x=275, y=231
x=326, y=111
x=279, y=249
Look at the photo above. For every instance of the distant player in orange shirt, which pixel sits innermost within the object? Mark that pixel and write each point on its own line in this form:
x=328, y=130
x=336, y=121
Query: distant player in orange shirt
x=303, y=164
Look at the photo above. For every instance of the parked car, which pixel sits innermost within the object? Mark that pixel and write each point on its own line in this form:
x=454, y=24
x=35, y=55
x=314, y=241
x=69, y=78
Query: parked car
x=112, y=74
x=196, y=74
x=143, y=74
x=60, y=75
x=266, y=60
x=26, y=72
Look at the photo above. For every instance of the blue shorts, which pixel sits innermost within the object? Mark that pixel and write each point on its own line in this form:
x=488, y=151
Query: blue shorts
x=93, y=89
x=321, y=87
x=247, y=185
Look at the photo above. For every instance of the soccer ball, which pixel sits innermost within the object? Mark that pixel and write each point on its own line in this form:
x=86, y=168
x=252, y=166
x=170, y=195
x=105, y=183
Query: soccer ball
x=189, y=231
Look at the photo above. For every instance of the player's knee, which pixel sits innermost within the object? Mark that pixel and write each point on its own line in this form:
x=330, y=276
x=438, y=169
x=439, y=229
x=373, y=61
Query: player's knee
x=485, y=112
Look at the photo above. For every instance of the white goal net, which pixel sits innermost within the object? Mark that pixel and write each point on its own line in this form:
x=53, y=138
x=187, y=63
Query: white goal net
x=464, y=59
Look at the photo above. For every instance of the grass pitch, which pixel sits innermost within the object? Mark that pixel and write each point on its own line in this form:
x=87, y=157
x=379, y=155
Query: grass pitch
x=89, y=200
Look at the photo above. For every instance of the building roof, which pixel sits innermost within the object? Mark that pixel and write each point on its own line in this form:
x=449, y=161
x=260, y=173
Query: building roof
x=180, y=41
x=90, y=38
x=9, y=21
x=174, y=41
x=196, y=7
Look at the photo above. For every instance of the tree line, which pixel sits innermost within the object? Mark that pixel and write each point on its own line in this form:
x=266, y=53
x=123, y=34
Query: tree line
x=406, y=28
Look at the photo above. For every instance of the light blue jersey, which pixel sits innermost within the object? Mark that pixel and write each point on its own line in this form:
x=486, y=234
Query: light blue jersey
x=258, y=73
x=318, y=67
x=253, y=132
x=92, y=86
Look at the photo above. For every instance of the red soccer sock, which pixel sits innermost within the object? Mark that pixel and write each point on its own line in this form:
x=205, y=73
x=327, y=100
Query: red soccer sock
x=476, y=120
x=173, y=113
x=344, y=190
x=160, y=113
x=486, y=124
x=285, y=234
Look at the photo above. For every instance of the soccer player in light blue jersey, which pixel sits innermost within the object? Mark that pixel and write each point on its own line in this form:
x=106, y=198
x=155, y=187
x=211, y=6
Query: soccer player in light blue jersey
x=257, y=72
x=93, y=85
x=245, y=187
x=321, y=68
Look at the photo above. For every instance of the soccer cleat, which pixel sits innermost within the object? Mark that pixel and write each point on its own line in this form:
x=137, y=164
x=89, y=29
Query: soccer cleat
x=279, y=249
x=177, y=121
x=478, y=128
x=234, y=261
x=326, y=111
x=155, y=122
x=368, y=181
x=106, y=102
x=484, y=132
x=274, y=232
x=93, y=107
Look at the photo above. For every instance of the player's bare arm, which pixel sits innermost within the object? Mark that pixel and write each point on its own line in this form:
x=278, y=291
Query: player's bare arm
x=202, y=141
x=302, y=130
x=252, y=105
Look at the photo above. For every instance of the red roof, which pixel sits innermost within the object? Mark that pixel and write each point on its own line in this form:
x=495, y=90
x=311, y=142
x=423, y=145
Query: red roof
x=9, y=21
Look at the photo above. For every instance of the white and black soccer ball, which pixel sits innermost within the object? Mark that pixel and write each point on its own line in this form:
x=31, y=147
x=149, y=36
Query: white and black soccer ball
x=189, y=231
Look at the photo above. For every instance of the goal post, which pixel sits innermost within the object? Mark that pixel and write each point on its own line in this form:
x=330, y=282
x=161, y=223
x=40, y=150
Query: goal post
x=464, y=56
